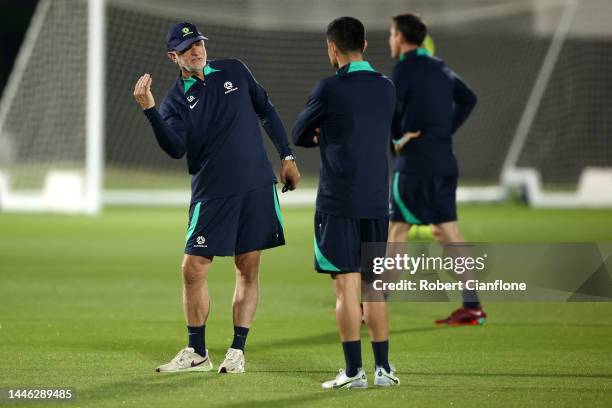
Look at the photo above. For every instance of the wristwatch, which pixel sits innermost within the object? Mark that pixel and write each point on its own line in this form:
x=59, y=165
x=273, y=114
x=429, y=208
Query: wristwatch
x=290, y=157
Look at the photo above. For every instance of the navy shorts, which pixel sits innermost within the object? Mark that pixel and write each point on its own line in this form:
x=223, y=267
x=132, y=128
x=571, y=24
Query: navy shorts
x=235, y=225
x=337, y=242
x=423, y=199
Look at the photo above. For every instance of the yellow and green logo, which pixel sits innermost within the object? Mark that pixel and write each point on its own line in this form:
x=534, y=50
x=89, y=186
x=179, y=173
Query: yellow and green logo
x=186, y=31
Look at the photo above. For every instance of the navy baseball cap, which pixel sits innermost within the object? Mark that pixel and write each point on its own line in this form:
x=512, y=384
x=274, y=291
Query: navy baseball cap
x=182, y=35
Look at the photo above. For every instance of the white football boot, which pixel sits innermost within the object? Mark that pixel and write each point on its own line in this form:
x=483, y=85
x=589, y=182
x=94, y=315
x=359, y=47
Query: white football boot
x=187, y=360
x=343, y=381
x=383, y=378
x=233, y=363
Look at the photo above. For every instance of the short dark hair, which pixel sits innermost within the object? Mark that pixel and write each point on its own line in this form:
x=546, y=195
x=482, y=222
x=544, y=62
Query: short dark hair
x=412, y=28
x=347, y=33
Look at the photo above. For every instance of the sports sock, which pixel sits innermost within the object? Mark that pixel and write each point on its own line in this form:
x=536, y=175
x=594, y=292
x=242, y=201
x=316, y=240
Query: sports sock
x=381, y=354
x=196, y=339
x=240, y=336
x=471, y=305
x=470, y=299
x=352, y=356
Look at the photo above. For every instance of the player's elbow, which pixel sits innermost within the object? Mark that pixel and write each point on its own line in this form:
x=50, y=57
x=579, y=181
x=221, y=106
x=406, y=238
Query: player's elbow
x=296, y=136
x=174, y=151
x=177, y=156
x=473, y=100
x=302, y=141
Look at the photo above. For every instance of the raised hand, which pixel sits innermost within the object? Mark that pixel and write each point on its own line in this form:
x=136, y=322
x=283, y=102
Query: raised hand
x=142, y=92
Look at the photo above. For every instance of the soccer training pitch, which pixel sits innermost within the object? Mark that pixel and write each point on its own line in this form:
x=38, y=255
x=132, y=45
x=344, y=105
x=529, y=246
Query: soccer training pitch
x=93, y=304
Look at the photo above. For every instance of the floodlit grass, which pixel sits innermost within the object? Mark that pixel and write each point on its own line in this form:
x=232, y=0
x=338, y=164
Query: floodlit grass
x=94, y=304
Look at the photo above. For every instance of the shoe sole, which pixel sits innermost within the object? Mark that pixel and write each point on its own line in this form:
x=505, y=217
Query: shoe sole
x=348, y=386
x=391, y=383
x=477, y=322
x=358, y=387
x=223, y=370
x=187, y=370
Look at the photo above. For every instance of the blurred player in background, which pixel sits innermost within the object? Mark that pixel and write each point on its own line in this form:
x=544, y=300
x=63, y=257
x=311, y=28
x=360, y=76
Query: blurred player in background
x=348, y=115
x=432, y=103
x=212, y=114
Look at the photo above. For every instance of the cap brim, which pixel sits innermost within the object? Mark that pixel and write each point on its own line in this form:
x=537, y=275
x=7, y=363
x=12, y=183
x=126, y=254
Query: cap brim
x=187, y=43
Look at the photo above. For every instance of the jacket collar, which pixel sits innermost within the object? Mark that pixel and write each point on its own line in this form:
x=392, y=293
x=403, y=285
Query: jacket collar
x=354, y=67
x=413, y=54
x=187, y=83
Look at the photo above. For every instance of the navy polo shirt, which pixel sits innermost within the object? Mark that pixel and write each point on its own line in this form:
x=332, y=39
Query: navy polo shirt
x=353, y=109
x=215, y=122
x=433, y=99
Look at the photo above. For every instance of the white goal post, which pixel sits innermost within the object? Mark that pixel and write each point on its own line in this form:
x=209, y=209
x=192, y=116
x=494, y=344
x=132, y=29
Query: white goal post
x=64, y=183
x=73, y=141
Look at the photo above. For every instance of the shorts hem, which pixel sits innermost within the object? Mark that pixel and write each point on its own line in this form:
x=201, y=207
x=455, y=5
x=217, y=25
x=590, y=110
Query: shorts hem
x=259, y=248
x=342, y=272
x=207, y=254
x=443, y=220
x=403, y=220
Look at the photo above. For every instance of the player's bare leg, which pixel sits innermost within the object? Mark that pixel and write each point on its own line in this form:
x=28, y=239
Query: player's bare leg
x=347, y=287
x=196, y=302
x=398, y=234
x=377, y=320
x=471, y=313
x=196, y=306
x=398, y=231
x=447, y=232
x=246, y=293
x=246, y=296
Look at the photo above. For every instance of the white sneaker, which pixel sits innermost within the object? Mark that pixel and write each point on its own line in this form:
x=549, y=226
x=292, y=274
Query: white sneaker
x=383, y=378
x=187, y=360
x=343, y=381
x=233, y=363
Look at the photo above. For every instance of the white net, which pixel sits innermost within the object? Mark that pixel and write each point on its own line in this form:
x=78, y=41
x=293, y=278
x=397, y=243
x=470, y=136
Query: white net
x=43, y=106
x=493, y=45
x=499, y=47
x=572, y=128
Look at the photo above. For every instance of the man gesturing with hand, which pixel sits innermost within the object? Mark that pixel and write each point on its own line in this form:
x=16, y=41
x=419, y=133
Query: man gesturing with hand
x=211, y=114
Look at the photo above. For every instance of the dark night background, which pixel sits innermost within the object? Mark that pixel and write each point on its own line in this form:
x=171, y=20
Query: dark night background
x=15, y=17
x=498, y=57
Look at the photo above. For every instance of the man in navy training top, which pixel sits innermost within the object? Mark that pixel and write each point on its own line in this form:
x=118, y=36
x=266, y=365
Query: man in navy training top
x=212, y=115
x=432, y=103
x=348, y=116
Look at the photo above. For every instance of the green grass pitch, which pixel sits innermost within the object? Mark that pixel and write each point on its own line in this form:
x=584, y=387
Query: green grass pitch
x=94, y=304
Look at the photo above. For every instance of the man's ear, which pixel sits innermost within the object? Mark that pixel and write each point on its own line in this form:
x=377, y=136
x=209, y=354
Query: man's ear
x=365, y=45
x=171, y=56
x=400, y=37
x=334, y=49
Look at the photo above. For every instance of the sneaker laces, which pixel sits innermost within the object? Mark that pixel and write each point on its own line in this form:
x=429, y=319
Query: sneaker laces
x=232, y=355
x=180, y=357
